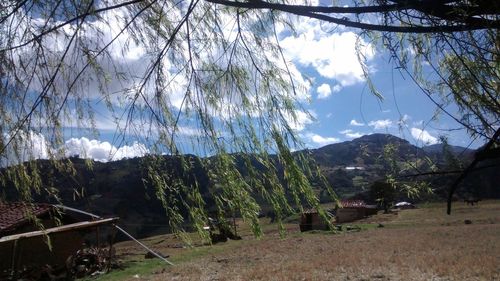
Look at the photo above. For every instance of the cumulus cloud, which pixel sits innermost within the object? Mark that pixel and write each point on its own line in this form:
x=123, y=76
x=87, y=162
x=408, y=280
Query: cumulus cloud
x=356, y=123
x=128, y=61
x=381, y=124
x=135, y=150
x=332, y=55
x=324, y=91
x=320, y=140
x=123, y=56
x=102, y=151
x=424, y=136
x=351, y=134
x=24, y=147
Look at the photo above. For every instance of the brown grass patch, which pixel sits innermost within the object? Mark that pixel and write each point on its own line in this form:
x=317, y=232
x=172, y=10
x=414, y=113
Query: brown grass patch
x=422, y=244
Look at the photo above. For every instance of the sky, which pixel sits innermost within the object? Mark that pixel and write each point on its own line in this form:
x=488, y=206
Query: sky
x=342, y=103
x=339, y=101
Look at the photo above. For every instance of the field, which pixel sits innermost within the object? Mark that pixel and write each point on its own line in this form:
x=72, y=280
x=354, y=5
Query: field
x=419, y=244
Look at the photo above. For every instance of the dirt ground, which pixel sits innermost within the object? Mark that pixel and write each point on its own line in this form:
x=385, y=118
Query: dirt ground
x=420, y=244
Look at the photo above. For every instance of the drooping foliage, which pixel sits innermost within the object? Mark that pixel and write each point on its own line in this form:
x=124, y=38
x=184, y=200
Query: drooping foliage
x=179, y=76
x=196, y=76
x=449, y=47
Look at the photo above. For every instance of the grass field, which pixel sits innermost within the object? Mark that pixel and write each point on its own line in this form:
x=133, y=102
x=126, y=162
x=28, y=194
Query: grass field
x=419, y=244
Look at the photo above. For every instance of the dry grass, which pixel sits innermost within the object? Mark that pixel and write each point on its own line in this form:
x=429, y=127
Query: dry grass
x=422, y=244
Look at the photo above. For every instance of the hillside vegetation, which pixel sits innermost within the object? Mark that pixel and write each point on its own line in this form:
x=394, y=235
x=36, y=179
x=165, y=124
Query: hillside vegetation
x=121, y=188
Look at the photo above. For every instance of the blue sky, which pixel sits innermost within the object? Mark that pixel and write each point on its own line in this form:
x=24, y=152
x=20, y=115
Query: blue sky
x=322, y=58
x=354, y=110
x=338, y=99
x=344, y=107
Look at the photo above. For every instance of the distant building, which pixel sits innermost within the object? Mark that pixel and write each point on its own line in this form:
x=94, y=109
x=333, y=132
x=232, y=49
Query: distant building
x=311, y=220
x=404, y=205
x=25, y=245
x=352, y=210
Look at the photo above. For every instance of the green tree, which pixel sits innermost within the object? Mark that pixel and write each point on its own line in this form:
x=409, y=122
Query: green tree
x=220, y=69
x=384, y=193
x=395, y=183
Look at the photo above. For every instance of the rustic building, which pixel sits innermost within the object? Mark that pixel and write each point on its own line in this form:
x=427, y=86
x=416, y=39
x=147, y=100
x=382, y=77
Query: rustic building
x=352, y=210
x=25, y=245
x=311, y=220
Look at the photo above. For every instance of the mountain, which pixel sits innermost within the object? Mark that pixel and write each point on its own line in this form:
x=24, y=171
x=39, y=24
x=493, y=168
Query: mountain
x=439, y=147
x=363, y=151
x=118, y=188
x=352, y=166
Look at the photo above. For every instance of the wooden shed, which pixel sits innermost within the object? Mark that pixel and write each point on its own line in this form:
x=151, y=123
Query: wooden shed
x=24, y=245
x=311, y=220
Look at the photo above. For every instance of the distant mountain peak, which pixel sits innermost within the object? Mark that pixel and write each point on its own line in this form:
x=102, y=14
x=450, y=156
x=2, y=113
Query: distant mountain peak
x=439, y=147
x=378, y=137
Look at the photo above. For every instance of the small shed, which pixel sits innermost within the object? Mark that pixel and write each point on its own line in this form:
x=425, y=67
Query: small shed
x=311, y=220
x=25, y=245
x=352, y=210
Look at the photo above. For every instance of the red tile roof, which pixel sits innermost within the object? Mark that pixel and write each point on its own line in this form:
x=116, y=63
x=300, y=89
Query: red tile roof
x=353, y=203
x=13, y=215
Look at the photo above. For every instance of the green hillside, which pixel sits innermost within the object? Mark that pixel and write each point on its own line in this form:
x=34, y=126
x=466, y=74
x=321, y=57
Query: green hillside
x=121, y=187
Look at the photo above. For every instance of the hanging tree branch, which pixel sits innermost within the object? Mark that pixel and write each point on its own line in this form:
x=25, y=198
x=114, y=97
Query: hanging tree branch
x=434, y=16
x=224, y=84
x=478, y=157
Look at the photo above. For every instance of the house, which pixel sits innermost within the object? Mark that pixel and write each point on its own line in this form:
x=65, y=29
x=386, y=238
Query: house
x=352, y=210
x=25, y=245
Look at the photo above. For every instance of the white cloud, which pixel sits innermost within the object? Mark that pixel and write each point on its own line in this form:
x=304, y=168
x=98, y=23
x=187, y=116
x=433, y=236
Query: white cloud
x=336, y=88
x=102, y=151
x=135, y=150
x=24, y=147
x=31, y=145
x=424, y=136
x=351, y=134
x=403, y=121
x=324, y=91
x=131, y=60
x=189, y=131
x=123, y=56
x=320, y=140
x=300, y=120
x=333, y=55
x=381, y=124
x=356, y=123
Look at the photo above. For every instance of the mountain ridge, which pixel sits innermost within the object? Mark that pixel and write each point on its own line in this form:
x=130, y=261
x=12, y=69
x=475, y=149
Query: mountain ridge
x=118, y=188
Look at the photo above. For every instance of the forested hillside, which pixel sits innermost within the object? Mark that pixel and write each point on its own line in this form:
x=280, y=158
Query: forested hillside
x=122, y=187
